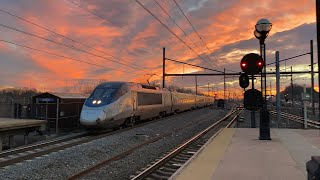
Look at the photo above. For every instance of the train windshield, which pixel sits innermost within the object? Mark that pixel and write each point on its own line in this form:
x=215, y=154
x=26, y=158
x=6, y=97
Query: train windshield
x=105, y=94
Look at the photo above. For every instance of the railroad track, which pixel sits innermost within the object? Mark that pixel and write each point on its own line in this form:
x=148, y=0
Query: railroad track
x=166, y=166
x=297, y=119
x=20, y=154
x=129, y=151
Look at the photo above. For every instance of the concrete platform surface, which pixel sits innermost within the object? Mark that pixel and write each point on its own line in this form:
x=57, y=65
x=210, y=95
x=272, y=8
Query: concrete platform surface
x=9, y=124
x=238, y=154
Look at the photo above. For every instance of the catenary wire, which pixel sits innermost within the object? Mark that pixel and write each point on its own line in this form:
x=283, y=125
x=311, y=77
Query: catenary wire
x=194, y=29
x=171, y=31
x=62, y=56
x=66, y=37
x=192, y=26
x=71, y=47
x=178, y=25
x=99, y=16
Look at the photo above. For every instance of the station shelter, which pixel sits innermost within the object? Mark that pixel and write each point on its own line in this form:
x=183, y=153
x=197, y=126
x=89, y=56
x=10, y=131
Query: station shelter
x=61, y=110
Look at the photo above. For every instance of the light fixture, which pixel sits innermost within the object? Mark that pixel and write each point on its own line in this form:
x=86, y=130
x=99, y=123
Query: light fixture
x=263, y=26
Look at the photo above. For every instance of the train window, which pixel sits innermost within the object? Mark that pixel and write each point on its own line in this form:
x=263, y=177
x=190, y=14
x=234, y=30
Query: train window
x=149, y=87
x=149, y=98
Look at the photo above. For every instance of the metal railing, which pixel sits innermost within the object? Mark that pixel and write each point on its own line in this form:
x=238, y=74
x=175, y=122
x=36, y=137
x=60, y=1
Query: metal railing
x=58, y=115
x=298, y=119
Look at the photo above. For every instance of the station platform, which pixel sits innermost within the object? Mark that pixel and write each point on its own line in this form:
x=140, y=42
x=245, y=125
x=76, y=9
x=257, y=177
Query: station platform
x=10, y=127
x=238, y=154
x=10, y=124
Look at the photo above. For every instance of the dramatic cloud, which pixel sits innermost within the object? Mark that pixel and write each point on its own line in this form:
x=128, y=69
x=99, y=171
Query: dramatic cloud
x=125, y=42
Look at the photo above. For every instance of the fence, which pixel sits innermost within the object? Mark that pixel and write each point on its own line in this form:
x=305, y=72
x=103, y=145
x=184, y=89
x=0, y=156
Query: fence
x=15, y=110
x=58, y=115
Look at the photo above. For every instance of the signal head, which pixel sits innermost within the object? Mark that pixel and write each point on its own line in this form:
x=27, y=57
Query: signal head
x=252, y=64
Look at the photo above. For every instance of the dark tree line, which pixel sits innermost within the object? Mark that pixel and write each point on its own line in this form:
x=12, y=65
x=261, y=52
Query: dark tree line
x=17, y=95
x=297, y=90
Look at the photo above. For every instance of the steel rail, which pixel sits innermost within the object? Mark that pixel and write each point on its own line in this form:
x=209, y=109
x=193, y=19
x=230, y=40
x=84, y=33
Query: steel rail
x=145, y=173
x=33, y=151
x=122, y=155
x=298, y=119
x=38, y=145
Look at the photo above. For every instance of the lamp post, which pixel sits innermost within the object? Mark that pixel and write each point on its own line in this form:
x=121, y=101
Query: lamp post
x=261, y=32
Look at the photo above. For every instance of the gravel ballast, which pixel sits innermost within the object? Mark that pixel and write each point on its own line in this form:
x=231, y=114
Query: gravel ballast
x=63, y=164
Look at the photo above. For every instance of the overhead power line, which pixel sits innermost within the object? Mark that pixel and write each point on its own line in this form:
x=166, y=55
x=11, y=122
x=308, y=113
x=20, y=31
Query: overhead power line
x=290, y=58
x=62, y=56
x=194, y=65
x=91, y=12
x=194, y=29
x=177, y=25
x=64, y=45
x=66, y=37
x=99, y=16
x=170, y=30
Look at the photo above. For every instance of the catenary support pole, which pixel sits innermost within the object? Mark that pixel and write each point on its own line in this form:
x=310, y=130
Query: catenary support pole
x=196, y=79
x=312, y=77
x=291, y=87
x=318, y=47
x=164, y=67
x=305, y=118
x=278, y=104
x=224, y=84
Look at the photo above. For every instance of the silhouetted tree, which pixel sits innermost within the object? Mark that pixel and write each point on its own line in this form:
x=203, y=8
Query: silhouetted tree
x=297, y=90
x=17, y=95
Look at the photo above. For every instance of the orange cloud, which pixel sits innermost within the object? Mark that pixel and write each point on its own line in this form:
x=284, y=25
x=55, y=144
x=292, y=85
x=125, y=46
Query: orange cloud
x=139, y=40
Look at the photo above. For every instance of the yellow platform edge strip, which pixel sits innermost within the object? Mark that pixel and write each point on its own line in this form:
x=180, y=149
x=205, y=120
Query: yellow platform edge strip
x=206, y=162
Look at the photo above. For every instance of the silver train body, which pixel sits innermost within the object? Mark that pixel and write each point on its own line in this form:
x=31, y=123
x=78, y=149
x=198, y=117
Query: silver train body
x=113, y=104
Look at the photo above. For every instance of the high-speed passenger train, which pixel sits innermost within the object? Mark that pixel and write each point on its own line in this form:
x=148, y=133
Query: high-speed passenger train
x=116, y=104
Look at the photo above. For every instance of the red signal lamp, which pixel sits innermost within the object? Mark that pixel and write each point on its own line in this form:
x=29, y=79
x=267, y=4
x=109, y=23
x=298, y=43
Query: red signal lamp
x=252, y=64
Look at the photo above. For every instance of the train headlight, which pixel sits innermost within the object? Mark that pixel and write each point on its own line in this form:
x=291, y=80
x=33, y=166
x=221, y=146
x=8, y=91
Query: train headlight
x=94, y=102
x=99, y=102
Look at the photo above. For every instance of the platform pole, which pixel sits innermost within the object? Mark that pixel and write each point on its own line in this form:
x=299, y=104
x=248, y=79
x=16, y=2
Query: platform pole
x=25, y=139
x=57, y=118
x=48, y=121
x=10, y=141
x=0, y=143
x=253, y=114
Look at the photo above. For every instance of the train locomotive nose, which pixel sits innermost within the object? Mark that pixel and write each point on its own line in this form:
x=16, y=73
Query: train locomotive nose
x=90, y=117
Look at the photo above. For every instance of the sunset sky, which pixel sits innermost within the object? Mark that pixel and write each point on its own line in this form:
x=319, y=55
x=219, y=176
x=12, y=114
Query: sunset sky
x=121, y=41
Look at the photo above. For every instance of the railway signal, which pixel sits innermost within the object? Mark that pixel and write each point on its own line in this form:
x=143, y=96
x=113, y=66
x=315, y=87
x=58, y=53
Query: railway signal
x=252, y=99
x=252, y=64
x=244, y=80
x=286, y=97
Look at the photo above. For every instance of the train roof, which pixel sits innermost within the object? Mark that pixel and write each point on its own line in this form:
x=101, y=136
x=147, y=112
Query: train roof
x=63, y=95
x=118, y=84
x=114, y=84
